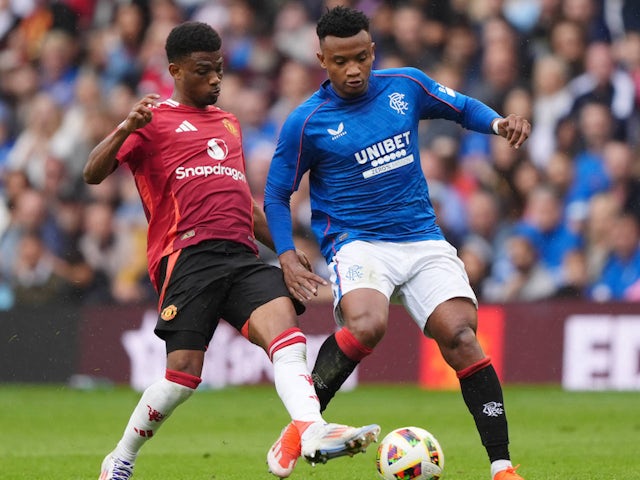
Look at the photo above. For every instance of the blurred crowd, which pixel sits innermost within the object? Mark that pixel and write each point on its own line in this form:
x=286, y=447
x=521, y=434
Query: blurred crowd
x=559, y=218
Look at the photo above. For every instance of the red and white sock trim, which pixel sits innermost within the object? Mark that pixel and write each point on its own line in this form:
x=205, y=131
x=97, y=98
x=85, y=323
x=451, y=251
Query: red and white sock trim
x=182, y=378
x=290, y=336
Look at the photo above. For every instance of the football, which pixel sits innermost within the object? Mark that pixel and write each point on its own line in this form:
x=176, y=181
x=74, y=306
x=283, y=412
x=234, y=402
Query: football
x=410, y=453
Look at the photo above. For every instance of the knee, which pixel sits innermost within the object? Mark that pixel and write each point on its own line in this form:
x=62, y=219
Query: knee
x=461, y=338
x=368, y=329
x=453, y=325
x=460, y=347
x=186, y=361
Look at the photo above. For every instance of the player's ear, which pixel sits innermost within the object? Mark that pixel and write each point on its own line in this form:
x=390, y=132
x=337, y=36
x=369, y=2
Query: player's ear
x=320, y=56
x=373, y=50
x=174, y=70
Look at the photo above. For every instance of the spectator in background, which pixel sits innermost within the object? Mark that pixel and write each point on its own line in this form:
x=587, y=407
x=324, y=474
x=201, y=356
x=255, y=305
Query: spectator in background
x=119, y=98
x=595, y=128
x=460, y=53
x=37, y=20
x=29, y=215
x=294, y=33
x=530, y=280
x=621, y=270
x=408, y=27
x=604, y=82
x=568, y=42
x=476, y=254
x=486, y=159
x=588, y=15
x=547, y=15
x=6, y=135
x=630, y=14
x=40, y=278
x=497, y=172
x=105, y=250
x=131, y=283
x=31, y=149
x=526, y=178
x=253, y=113
x=84, y=121
x=33, y=279
x=628, y=53
x=14, y=182
x=628, y=49
x=559, y=172
x=57, y=65
x=551, y=101
x=243, y=24
x=603, y=210
x=294, y=84
x=501, y=63
x=446, y=187
x=116, y=55
x=621, y=168
x=485, y=218
x=70, y=263
x=154, y=75
x=258, y=160
x=544, y=226
x=121, y=44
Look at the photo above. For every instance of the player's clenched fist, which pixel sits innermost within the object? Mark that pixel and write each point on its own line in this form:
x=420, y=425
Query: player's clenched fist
x=141, y=113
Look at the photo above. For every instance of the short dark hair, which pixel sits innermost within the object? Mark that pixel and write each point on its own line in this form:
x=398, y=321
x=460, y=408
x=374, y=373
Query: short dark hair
x=341, y=22
x=189, y=37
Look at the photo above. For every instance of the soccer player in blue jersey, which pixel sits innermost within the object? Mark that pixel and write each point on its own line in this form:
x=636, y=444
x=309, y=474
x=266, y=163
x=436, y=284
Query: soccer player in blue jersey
x=357, y=138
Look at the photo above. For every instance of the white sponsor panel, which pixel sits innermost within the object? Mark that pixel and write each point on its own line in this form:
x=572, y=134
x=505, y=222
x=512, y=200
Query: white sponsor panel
x=387, y=167
x=601, y=352
x=230, y=360
x=206, y=170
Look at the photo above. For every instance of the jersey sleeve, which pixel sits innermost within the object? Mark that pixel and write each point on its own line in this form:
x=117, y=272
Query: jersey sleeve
x=444, y=102
x=130, y=151
x=284, y=177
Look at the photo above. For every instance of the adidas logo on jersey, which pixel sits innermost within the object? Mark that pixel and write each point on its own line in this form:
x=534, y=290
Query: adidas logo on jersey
x=186, y=126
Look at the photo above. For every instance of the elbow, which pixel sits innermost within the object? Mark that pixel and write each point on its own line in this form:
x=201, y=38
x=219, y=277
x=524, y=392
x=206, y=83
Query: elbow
x=89, y=178
x=95, y=172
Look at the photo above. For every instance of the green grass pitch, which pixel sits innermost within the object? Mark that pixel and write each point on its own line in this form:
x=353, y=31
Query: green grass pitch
x=54, y=432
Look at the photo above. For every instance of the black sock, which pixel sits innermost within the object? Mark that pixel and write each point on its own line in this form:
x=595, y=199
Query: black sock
x=331, y=370
x=483, y=395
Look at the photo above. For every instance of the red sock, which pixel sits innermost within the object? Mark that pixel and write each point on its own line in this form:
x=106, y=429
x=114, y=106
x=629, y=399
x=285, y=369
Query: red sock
x=350, y=346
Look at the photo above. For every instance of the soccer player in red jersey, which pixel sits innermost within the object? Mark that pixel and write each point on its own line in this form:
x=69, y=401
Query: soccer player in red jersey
x=186, y=157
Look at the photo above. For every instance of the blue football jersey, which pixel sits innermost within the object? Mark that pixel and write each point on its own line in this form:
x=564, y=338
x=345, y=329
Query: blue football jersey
x=363, y=159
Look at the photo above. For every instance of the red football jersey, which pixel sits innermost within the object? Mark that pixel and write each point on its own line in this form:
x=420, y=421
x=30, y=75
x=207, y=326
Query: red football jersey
x=189, y=169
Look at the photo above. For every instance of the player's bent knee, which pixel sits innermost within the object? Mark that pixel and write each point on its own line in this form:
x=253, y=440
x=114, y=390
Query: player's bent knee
x=368, y=331
x=461, y=338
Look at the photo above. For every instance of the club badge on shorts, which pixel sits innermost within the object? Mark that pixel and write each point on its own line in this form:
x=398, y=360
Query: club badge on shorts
x=169, y=313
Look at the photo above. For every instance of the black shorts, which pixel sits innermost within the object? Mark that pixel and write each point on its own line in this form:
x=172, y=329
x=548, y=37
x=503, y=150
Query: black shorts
x=209, y=281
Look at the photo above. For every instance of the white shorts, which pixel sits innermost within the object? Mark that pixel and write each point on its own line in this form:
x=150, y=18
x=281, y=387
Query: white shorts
x=419, y=275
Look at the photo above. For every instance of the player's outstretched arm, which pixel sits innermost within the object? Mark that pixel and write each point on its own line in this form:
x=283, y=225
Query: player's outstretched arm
x=102, y=159
x=301, y=281
x=263, y=235
x=515, y=129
